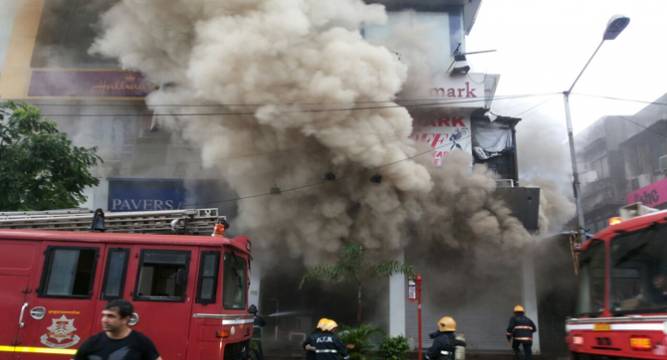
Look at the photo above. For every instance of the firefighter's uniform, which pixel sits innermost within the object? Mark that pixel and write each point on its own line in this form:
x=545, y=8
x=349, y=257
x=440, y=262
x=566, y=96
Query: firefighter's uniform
x=323, y=344
x=520, y=330
x=444, y=341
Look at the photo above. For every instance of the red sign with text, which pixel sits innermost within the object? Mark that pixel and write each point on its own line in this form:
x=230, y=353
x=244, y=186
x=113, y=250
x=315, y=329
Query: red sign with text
x=88, y=83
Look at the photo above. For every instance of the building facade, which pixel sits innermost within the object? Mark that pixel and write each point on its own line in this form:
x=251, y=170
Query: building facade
x=618, y=156
x=44, y=60
x=645, y=160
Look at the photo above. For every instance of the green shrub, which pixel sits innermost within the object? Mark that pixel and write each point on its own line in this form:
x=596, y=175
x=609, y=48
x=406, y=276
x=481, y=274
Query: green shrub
x=394, y=348
x=359, y=340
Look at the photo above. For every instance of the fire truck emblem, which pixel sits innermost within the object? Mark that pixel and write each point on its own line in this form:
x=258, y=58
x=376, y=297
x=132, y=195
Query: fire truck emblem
x=61, y=333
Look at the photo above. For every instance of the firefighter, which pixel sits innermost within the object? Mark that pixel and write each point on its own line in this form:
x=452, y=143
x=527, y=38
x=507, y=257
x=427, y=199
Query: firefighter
x=323, y=344
x=258, y=324
x=444, y=340
x=520, y=331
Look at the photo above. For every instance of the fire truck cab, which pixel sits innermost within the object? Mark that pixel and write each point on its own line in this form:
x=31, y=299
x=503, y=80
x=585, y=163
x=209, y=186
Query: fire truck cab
x=622, y=303
x=189, y=292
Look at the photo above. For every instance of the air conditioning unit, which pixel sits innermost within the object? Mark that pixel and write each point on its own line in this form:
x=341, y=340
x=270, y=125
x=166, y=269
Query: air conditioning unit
x=505, y=183
x=644, y=180
x=662, y=164
x=588, y=176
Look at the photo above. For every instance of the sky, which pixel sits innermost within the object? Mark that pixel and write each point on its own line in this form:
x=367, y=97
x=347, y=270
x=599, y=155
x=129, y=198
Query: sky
x=541, y=45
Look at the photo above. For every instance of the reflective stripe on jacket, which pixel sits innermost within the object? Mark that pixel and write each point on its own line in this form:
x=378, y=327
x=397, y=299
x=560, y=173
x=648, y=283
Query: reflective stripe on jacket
x=444, y=346
x=521, y=328
x=327, y=346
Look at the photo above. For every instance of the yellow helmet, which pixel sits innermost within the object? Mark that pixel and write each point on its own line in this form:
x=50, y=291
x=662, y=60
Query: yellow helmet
x=446, y=323
x=519, y=308
x=330, y=325
x=322, y=323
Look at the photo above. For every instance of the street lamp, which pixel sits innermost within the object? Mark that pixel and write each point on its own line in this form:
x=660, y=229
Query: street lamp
x=614, y=27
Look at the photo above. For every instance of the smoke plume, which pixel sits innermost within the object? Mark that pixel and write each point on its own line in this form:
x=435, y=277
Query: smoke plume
x=295, y=110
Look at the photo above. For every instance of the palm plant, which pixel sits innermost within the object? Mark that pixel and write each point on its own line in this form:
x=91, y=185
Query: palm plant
x=353, y=267
x=359, y=340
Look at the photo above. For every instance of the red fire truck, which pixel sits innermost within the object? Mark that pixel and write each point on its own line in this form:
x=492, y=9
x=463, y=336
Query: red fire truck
x=622, y=303
x=189, y=292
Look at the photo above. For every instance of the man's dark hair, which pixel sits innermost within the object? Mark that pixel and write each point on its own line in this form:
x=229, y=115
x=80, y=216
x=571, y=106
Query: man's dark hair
x=122, y=306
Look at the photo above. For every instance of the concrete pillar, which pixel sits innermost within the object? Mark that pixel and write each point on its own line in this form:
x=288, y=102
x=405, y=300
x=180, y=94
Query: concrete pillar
x=255, y=282
x=18, y=53
x=8, y=9
x=397, y=302
x=529, y=297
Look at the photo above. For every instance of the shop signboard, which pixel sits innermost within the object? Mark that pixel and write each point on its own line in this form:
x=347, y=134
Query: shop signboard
x=445, y=134
x=146, y=194
x=652, y=195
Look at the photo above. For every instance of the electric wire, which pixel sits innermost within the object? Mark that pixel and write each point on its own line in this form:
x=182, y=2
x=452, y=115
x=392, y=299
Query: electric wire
x=645, y=102
x=321, y=182
x=432, y=104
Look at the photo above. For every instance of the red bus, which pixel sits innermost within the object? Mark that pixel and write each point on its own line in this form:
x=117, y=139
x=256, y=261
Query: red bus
x=190, y=292
x=622, y=301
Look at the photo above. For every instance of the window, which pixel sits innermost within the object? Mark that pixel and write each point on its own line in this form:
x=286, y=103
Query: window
x=234, y=282
x=162, y=275
x=591, y=280
x=639, y=271
x=66, y=31
x=601, y=167
x=68, y=272
x=208, y=277
x=432, y=27
x=114, y=278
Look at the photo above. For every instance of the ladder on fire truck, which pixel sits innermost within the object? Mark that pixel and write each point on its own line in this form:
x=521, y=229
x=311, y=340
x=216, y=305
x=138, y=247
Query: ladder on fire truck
x=186, y=221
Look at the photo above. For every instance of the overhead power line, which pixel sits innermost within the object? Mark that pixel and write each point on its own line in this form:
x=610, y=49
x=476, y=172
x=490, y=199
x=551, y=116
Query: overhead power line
x=128, y=104
x=433, y=103
x=318, y=183
x=646, y=102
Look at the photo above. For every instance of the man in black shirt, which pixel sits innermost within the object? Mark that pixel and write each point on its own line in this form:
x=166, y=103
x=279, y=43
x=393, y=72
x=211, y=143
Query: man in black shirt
x=118, y=341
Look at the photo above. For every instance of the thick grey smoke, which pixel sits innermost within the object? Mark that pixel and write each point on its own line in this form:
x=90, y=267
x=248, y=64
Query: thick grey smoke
x=293, y=92
x=548, y=168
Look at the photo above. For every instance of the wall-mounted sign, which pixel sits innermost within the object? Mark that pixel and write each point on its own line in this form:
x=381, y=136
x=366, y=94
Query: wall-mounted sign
x=471, y=90
x=445, y=134
x=146, y=194
x=87, y=83
x=651, y=195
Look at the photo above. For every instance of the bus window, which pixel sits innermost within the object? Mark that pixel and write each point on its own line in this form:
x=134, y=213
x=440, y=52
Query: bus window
x=208, y=277
x=639, y=270
x=591, y=280
x=68, y=272
x=114, y=277
x=162, y=275
x=234, y=282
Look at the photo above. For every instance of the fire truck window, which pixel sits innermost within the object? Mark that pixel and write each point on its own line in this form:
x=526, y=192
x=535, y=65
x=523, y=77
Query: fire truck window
x=591, y=280
x=162, y=275
x=208, y=277
x=68, y=272
x=639, y=271
x=114, y=278
x=234, y=282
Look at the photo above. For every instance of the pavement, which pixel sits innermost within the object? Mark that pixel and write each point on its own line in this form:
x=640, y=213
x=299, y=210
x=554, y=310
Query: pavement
x=413, y=356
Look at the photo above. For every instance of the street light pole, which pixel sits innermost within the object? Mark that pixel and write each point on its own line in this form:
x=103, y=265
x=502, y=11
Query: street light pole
x=614, y=27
